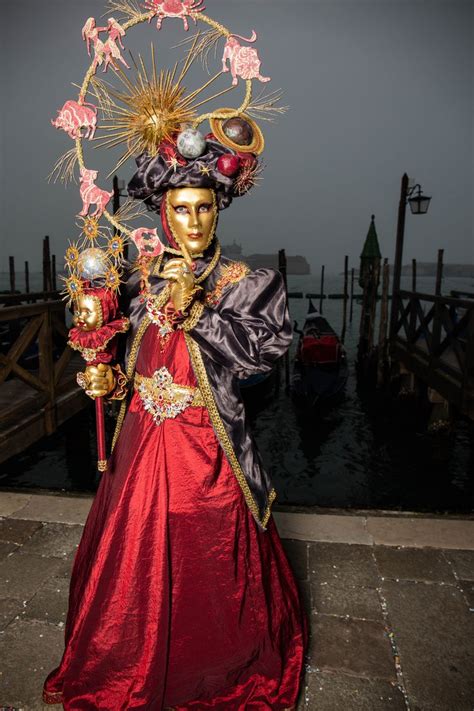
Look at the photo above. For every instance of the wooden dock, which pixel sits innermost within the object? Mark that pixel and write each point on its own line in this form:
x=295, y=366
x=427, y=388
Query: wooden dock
x=38, y=390
x=433, y=337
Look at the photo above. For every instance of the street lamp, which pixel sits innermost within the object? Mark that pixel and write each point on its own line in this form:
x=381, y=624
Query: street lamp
x=418, y=205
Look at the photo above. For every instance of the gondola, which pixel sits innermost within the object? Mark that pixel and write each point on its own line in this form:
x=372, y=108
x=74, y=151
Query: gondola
x=320, y=367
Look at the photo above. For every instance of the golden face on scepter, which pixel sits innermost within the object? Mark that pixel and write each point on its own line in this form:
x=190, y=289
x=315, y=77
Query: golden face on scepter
x=87, y=313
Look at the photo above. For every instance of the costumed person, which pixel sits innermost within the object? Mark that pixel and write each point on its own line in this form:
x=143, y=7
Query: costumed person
x=181, y=595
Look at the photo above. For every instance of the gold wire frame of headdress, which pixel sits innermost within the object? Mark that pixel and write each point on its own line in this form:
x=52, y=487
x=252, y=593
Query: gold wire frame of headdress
x=116, y=114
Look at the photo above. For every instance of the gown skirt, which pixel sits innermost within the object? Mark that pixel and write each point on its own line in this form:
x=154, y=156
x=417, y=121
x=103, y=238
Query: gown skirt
x=177, y=598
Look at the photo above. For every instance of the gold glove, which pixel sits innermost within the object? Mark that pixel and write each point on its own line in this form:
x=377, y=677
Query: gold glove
x=97, y=381
x=183, y=288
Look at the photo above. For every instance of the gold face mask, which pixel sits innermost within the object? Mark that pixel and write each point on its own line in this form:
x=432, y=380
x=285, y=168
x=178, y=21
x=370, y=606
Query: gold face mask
x=87, y=312
x=192, y=216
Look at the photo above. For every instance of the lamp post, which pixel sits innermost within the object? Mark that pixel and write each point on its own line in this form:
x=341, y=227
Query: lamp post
x=419, y=206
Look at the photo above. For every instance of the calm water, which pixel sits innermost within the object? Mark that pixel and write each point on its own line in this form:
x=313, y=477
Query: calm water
x=364, y=453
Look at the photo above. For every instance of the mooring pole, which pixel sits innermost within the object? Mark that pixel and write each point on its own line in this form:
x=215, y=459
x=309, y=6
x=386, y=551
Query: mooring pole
x=282, y=267
x=321, y=291
x=46, y=265
x=27, y=277
x=11, y=265
x=397, y=266
x=344, y=307
x=352, y=294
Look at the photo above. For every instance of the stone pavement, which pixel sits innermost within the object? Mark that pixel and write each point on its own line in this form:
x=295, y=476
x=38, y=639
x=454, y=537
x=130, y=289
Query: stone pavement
x=390, y=600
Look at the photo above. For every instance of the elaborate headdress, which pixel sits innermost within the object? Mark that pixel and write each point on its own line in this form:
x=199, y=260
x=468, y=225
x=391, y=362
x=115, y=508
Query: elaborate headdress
x=149, y=113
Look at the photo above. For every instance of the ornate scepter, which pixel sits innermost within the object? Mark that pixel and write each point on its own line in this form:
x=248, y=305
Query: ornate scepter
x=92, y=283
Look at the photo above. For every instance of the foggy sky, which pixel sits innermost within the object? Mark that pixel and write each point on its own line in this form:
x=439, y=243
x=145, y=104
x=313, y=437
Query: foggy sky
x=375, y=88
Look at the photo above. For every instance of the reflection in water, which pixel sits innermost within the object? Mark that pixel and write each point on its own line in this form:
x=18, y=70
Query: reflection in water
x=366, y=452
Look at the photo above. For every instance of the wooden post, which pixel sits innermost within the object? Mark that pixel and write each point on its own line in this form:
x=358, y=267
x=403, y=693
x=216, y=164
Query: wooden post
x=53, y=273
x=437, y=310
x=46, y=370
x=46, y=265
x=344, y=308
x=282, y=267
x=382, y=349
x=439, y=272
x=27, y=278
x=397, y=267
x=321, y=291
x=412, y=326
x=413, y=275
x=116, y=208
x=11, y=265
x=352, y=294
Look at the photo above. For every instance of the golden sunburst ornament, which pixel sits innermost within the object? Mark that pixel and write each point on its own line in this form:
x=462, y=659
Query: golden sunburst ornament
x=115, y=246
x=72, y=288
x=112, y=278
x=71, y=257
x=90, y=229
x=151, y=108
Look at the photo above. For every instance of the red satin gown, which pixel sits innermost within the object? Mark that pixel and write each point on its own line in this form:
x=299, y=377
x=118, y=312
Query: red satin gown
x=177, y=598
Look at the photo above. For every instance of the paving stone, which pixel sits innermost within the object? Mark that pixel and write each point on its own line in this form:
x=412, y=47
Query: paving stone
x=17, y=531
x=58, y=509
x=34, y=649
x=297, y=552
x=462, y=562
x=467, y=586
x=434, y=632
x=334, y=692
x=9, y=608
x=343, y=564
x=421, y=532
x=50, y=602
x=425, y=564
x=11, y=502
x=65, y=566
x=359, y=647
x=333, y=599
x=22, y=575
x=53, y=539
x=6, y=548
x=305, y=591
x=322, y=527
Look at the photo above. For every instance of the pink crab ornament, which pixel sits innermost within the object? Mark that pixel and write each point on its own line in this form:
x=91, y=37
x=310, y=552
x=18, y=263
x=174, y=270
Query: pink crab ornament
x=174, y=8
x=73, y=117
x=244, y=61
x=147, y=242
x=91, y=194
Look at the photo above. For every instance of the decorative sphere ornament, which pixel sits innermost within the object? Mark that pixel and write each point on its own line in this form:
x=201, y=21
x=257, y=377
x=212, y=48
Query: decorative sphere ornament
x=228, y=164
x=191, y=143
x=92, y=263
x=238, y=130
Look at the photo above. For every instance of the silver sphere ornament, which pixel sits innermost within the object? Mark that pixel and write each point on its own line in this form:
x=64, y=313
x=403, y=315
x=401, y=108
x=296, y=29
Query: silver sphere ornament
x=92, y=263
x=191, y=143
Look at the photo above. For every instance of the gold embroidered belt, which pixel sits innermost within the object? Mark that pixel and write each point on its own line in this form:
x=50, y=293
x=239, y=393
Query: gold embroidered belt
x=163, y=398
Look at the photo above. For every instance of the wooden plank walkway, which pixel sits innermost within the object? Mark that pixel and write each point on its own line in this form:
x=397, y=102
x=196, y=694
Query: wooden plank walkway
x=38, y=389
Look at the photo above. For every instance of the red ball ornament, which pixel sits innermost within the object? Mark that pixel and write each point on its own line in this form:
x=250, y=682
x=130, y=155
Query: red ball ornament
x=228, y=164
x=247, y=159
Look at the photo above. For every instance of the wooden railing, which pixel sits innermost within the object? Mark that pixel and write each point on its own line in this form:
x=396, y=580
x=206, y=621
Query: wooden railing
x=42, y=324
x=434, y=335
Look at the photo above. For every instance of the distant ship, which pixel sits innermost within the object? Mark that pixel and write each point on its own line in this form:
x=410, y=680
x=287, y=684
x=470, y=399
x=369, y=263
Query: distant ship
x=296, y=264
